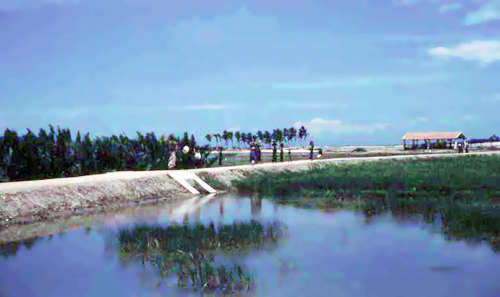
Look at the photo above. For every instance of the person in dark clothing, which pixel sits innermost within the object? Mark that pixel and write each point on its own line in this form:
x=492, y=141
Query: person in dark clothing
x=220, y=156
x=290, y=155
x=311, y=155
x=281, y=152
x=320, y=153
x=252, y=155
x=275, y=154
x=259, y=153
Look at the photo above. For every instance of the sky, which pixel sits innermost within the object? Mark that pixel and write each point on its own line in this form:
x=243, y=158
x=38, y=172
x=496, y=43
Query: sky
x=351, y=72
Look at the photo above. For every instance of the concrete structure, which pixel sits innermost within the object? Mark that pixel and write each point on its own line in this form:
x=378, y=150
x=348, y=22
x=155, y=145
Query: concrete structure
x=182, y=176
x=444, y=140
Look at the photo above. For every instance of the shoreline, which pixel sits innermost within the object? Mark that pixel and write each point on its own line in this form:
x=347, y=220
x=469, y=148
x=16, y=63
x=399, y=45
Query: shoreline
x=26, y=202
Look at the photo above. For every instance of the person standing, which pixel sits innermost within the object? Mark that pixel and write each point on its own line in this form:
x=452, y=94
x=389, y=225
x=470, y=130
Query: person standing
x=172, y=159
x=466, y=147
x=275, y=154
x=281, y=152
x=220, y=156
x=311, y=155
x=252, y=155
x=320, y=153
x=185, y=157
x=290, y=155
x=259, y=153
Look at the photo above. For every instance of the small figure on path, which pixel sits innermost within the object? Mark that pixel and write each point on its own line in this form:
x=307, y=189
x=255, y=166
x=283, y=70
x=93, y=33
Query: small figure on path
x=275, y=155
x=466, y=147
x=290, y=155
x=220, y=156
x=172, y=159
x=281, y=152
x=185, y=157
x=252, y=155
x=311, y=155
x=259, y=153
x=197, y=158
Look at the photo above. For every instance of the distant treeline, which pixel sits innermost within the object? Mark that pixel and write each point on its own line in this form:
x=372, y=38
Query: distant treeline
x=493, y=138
x=55, y=154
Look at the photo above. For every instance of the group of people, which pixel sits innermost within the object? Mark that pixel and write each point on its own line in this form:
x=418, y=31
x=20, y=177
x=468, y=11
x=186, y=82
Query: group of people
x=189, y=158
x=463, y=147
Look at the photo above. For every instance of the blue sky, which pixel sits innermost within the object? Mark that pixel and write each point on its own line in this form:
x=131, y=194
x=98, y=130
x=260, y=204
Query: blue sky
x=352, y=72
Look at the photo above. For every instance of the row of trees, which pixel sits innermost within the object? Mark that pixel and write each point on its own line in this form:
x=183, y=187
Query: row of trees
x=55, y=154
x=278, y=135
x=493, y=138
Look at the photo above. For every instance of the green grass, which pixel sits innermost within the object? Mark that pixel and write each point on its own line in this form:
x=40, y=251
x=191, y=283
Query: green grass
x=467, y=176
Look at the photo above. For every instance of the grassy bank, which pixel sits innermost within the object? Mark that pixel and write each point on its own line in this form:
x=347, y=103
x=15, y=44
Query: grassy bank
x=468, y=177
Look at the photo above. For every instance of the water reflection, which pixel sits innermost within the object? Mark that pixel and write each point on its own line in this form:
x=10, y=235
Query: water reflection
x=189, y=251
x=236, y=244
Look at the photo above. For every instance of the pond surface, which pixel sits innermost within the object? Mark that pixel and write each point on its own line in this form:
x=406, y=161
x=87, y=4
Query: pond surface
x=308, y=253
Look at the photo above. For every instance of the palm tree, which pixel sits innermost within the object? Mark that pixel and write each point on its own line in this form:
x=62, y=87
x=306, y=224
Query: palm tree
x=285, y=135
x=217, y=138
x=230, y=137
x=267, y=137
x=209, y=138
x=225, y=136
x=302, y=134
x=243, y=138
x=237, y=135
x=279, y=136
x=249, y=138
x=305, y=135
x=260, y=136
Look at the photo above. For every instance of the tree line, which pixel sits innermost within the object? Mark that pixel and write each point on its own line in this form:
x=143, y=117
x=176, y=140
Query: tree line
x=493, y=138
x=287, y=135
x=54, y=153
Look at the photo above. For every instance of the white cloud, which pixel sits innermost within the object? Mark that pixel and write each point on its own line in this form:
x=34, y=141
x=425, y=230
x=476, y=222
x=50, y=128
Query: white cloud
x=206, y=107
x=484, y=51
x=449, y=7
x=488, y=12
x=319, y=126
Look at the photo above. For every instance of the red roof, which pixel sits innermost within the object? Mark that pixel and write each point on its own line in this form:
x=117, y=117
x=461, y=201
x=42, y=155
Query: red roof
x=432, y=135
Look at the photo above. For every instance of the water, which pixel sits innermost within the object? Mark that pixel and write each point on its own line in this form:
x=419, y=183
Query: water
x=315, y=253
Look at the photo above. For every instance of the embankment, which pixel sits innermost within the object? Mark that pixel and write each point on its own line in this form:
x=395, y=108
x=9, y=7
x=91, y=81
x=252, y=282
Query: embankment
x=32, y=201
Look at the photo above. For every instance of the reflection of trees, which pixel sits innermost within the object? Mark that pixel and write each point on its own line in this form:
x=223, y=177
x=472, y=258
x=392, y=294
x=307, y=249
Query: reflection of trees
x=189, y=251
x=468, y=216
x=10, y=249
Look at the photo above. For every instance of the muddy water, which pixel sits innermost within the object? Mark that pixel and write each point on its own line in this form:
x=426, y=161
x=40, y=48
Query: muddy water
x=291, y=252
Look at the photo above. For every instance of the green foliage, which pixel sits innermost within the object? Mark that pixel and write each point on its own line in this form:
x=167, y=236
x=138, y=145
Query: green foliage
x=56, y=154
